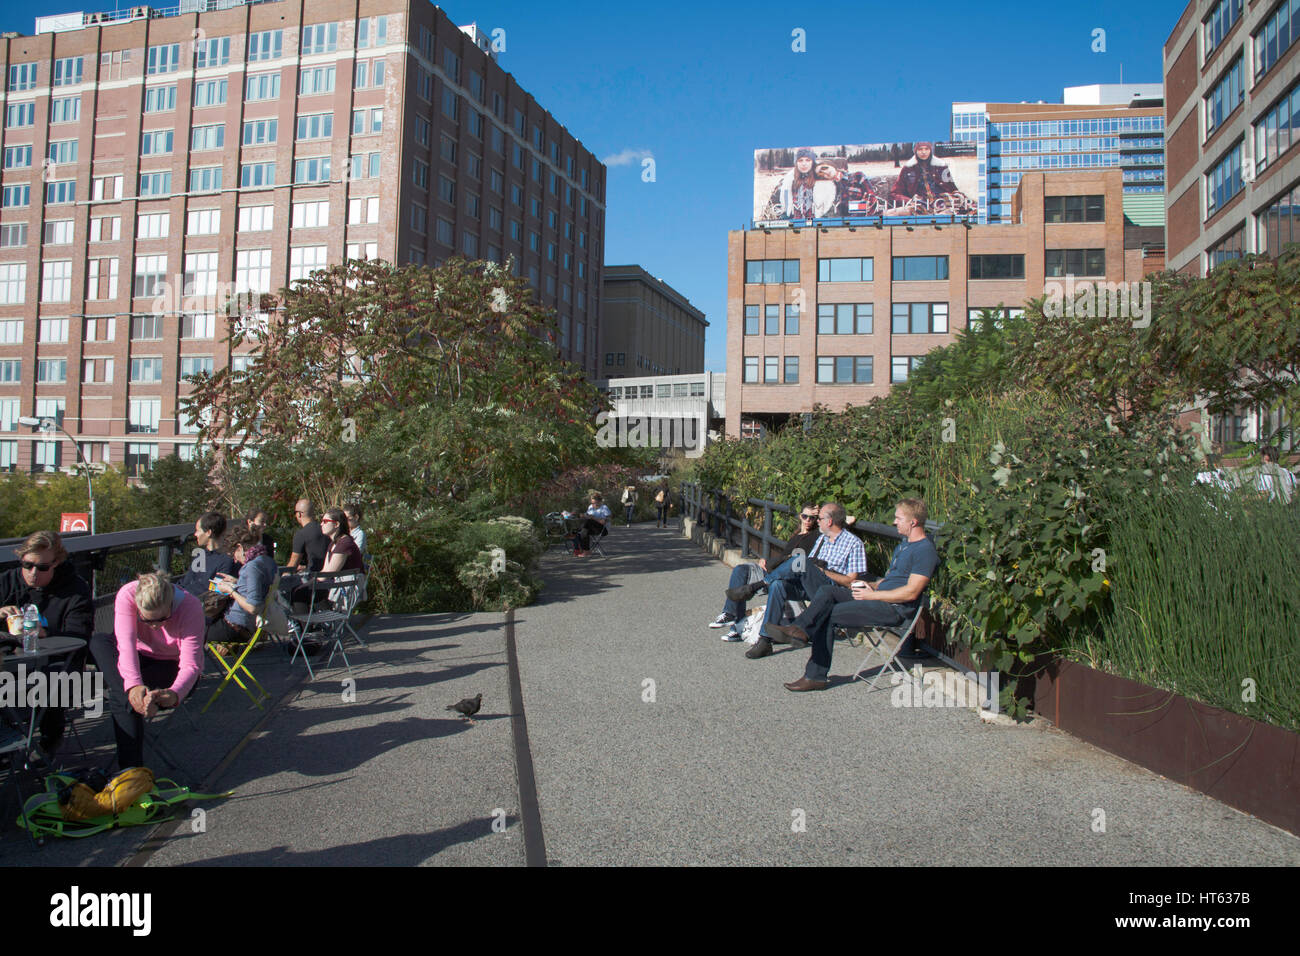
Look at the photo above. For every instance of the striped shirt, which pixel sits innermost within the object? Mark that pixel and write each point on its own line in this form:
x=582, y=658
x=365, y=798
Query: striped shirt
x=844, y=555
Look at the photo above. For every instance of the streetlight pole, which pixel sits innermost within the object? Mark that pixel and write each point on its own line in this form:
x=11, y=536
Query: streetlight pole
x=48, y=425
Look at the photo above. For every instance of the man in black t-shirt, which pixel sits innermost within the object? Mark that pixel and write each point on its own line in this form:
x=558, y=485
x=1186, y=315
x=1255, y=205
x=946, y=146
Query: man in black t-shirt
x=309, y=542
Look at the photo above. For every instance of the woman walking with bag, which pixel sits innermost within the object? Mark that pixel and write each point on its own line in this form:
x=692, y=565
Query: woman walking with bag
x=629, y=504
x=661, y=507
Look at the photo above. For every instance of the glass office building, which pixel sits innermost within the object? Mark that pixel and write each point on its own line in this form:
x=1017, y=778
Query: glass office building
x=1097, y=127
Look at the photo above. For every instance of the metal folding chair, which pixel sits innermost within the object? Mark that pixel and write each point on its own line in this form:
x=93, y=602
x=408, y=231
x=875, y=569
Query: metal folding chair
x=159, y=726
x=239, y=667
x=886, y=642
x=322, y=616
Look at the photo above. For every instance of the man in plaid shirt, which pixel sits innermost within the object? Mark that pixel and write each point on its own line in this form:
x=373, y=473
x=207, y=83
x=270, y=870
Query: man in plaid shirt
x=836, y=558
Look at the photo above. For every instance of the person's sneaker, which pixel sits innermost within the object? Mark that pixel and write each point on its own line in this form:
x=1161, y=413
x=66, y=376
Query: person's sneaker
x=723, y=619
x=733, y=635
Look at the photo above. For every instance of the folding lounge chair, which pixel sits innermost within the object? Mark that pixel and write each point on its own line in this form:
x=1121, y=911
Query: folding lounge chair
x=239, y=667
x=885, y=643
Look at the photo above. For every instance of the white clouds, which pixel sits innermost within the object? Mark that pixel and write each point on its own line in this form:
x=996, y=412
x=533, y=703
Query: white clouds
x=628, y=157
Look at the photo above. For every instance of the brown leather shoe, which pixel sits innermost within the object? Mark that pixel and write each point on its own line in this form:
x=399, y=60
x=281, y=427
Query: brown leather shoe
x=761, y=649
x=785, y=634
x=804, y=683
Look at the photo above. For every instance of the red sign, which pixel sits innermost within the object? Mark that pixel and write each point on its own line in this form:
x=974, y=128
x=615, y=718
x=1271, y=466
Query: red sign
x=74, y=522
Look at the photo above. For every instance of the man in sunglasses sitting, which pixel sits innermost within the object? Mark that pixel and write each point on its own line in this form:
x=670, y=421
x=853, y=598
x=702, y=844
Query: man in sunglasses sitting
x=748, y=579
x=44, y=578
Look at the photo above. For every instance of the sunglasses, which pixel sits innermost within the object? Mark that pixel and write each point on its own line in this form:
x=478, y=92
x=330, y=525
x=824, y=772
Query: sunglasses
x=153, y=622
x=808, y=517
x=33, y=566
x=325, y=521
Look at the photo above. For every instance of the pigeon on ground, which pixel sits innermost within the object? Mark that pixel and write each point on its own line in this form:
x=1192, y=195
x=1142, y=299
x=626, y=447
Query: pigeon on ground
x=468, y=707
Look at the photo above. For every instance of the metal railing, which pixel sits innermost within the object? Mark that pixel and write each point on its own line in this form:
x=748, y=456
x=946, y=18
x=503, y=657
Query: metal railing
x=717, y=512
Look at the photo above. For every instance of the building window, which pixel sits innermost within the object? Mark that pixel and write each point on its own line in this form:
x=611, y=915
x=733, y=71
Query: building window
x=845, y=318
x=446, y=189
x=751, y=369
x=194, y=365
x=160, y=99
x=16, y=196
x=200, y=273
x=13, y=283
x=1277, y=129
x=203, y=222
x=1227, y=95
x=199, y=325
x=63, y=191
x=205, y=179
x=106, y=228
x=163, y=59
x=156, y=184
x=146, y=327
x=147, y=371
x=845, y=270
x=372, y=31
x=18, y=115
x=67, y=71
x=18, y=157
x=58, y=232
x=307, y=215
x=1074, y=209
x=845, y=369
x=52, y=371
x=319, y=38
x=208, y=137
x=366, y=209
x=1075, y=262
x=53, y=330
x=901, y=366
x=304, y=260
x=920, y=268
x=140, y=458
x=56, y=282
x=257, y=174
x=153, y=225
x=772, y=320
x=253, y=270
x=316, y=126
x=997, y=266
x=101, y=278
x=1279, y=224
x=1231, y=247
x=450, y=103
x=46, y=456
x=97, y=371
x=260, y=132
x=11, y=371
x=13, y=234
x=1224, y=14
x=262, y=86
x=210, y=93
x=61, y=151
x=362, y=250
x=364, y=166
x=920, y=318
x=769, y=271
x=102, y=329
x=266, y=45
x=1276, y=36
x=771, y=371
x=256, y=218
x=22, y=76
x=150, y=275
x=316, y=80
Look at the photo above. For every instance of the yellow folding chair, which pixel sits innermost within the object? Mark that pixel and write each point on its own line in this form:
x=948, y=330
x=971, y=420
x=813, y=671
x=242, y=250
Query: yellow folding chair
x=239, y=667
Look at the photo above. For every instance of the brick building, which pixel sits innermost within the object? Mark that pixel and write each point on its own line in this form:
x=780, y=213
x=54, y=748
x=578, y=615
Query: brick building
x=155, y=164
x=834, y=315
x=1232, y=97
x=647, y=327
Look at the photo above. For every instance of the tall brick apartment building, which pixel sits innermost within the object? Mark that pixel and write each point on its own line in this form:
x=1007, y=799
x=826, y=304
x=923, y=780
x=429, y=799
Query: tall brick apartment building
x=152, y=162
x=1232, y=96
x=833, y=315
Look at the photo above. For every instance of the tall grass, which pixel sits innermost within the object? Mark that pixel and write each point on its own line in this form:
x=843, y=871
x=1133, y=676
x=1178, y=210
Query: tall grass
x=1206, y=602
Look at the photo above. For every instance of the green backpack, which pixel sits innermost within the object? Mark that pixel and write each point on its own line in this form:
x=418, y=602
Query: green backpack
x=43, y=815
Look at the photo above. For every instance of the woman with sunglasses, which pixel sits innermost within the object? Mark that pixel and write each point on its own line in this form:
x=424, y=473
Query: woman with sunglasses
x=45, y=578
x=156, y=651
x=751, y=575
x=342, y=555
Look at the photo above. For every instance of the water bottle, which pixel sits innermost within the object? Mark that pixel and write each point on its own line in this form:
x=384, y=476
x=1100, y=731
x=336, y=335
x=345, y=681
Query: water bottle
x=31, y=624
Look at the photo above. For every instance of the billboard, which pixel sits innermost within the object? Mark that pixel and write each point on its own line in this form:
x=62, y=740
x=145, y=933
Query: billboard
x=896, y=180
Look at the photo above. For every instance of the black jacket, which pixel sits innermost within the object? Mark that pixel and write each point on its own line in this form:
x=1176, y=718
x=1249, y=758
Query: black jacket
x=67, y=603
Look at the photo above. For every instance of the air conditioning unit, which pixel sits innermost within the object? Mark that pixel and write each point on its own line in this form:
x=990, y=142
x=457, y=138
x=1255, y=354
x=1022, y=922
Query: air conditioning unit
x=141, y=12
x=96, y=18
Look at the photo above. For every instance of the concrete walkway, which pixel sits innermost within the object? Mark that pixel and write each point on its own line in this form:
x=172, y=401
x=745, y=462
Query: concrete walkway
x=653, y=742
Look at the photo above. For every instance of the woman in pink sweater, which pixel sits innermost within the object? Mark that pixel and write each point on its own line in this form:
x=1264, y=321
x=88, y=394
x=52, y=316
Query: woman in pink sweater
x=156, y=650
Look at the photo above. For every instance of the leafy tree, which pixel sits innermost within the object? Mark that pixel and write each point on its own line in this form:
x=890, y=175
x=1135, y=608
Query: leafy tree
x=176, y=491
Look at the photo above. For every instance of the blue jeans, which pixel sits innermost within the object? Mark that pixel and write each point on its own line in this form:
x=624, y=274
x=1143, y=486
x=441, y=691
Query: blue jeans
x=834, y=607
x=792, y=586
x=741, y=575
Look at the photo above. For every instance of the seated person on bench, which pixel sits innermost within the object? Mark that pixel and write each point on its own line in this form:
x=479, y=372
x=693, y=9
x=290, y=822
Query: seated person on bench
x=885, y=602
x=837, y=558
x=747, y=579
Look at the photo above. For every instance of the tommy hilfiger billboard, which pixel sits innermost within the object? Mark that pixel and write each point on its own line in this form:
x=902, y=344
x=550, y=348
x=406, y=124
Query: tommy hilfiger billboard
x=880, y=179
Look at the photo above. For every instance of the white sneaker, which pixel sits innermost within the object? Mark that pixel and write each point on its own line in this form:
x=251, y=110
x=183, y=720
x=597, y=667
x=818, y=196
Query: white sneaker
x=723, y=620
x=733, y=635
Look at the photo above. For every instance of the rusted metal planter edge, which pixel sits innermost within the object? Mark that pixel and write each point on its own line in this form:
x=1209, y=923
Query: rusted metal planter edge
x=1247, y=764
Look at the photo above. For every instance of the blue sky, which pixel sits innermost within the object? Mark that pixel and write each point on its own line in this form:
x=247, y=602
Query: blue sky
x=701, y=87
